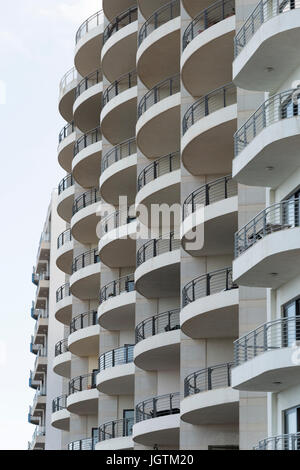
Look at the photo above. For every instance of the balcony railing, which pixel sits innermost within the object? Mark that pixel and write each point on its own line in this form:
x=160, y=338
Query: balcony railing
x=117, y=153
x=64, y=237
x=273, y=110
x=123, y=83
x=159, y=167
x=92, y=22
x=161, y=16
x=264, y=11
x=277, y=334
x=40, y=431
x=212, y=15
x=67, y=130
x=117, y=287
x=83, y=321
x=65, y=183
x=116, y=219
x=116, y=357
x=42, y=352
x=210, y=378
x=283, y=442
x=38, y=312
x=158, y=406
x=214, y=191
x=164, y=89
x=114, y=429
x=83, y=444
x=86, y=199
x=59, y=403
x=208, y=284
x=85, y=259
x=123, y=19
x=87, y=82
x=67, y=79
x=160, y=323
x=87, y=139
x=208, y=104
x=281, y=216
x=61, y=347
x=62, y=292
x=157, y=246
x=82, y=382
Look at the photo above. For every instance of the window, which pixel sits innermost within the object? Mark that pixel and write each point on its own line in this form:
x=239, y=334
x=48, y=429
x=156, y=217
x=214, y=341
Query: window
x=291, y=427
x=291, y=327
x=128, y=416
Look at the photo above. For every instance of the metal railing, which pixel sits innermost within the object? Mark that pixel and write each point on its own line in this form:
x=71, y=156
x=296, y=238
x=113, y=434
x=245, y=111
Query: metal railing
x=214, y=191
x=264, y=11
x=82, y=382
x=160, y=323
x=85, y=259
x=59, y=403
x=83, y=321
x=208, y=284
x=212, y=15
x=157, y=246
x=282, y=442
x=64, y=237
x=276, y=334
x=67, y=130
x=161, y=16
x=123, y=83
x=209, y=378
x=117, y=153
x=275, y=109
x=281, y=216
x=87, y=82
x=123, y=19
x=62, y=292
x=42, y=352
x=65, y=183
x=82, y=444
x=61, y=347
x=162, y=90
x=116, y=357
x=86, y=199
x=117, y=287
x=67, y=79
x=208, y=104
x=162, y=405
x=116, y=219
x=92, y=22
x=39, y=312
x=39, y=432
x=87, y=139
x=118, y=428
x=159, y=167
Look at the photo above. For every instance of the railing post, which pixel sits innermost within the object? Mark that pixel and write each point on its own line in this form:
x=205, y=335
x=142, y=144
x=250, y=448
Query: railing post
x=209, y=384
x=154, y=408
x=229, y=375
x=153, y=326
x=208, y=284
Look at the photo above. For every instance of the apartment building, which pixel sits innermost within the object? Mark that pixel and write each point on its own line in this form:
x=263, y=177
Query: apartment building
x=169, y=342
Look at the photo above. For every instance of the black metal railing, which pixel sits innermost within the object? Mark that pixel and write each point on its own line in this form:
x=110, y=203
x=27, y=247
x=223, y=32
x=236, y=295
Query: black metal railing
x=65, y=183
x=67, y=130
x=82, y=382
x=212, y=15
x=82, y=444
x=117, y=153
x=117, y=219
x=114, y=429
x=159, y=167
x=116, y=357
x=64, y=237
x=117, y=287
x=214, y=191
x=59, y=403
x=162, y=405
x=92, y=22
x=87, y=82
x=164, y=89
x=161, y=16
x=208, y=284
x=86, y=199
x=123, y=19
x=281, y=216
x=208, y=104
x=85, y=259
x=83, y=321
x=61, y=347
x=69, y=77
x=157, y=246
x=210, y=378
x=282, y=442
x=87, y=139
x=160, y=323
x=62, y=292
x=123, y=83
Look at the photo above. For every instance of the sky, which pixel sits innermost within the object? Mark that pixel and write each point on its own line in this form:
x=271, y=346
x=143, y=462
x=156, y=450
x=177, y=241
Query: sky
x=37, y=39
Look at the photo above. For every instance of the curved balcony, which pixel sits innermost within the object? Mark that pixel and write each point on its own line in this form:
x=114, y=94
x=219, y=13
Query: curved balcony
x=60, y=418
x=84, y=282
x=62, y=359
x=118, y=172
x=82, y=444
x=116, y=435
x=66, y=141
x=158, y=54
x=84, y=335
x=83, y=395
x=210, y=306
x=116, y=371
x=269, y=32
x=267, y=358
x=86, y=217
x=282, y=442
x=65, y=251
x=65, y=198
x=158, y=342
x=63, y=312
x=271, y=132
x=117, y=244
x=158, y=267
x=208, y=127
x=159, y=115
x=267, y=249
x=67, y=88
x=87, y=158
x=87, y=105
x=117, y=304
x=120, y=44
x=118, y=116
x=208, y=46
x=88, y=40
x=209, y=398
x=158, y=420
x=210, y=218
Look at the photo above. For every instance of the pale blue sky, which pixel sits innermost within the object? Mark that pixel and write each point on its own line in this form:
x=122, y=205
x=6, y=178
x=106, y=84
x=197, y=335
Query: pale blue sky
x=36, y=49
